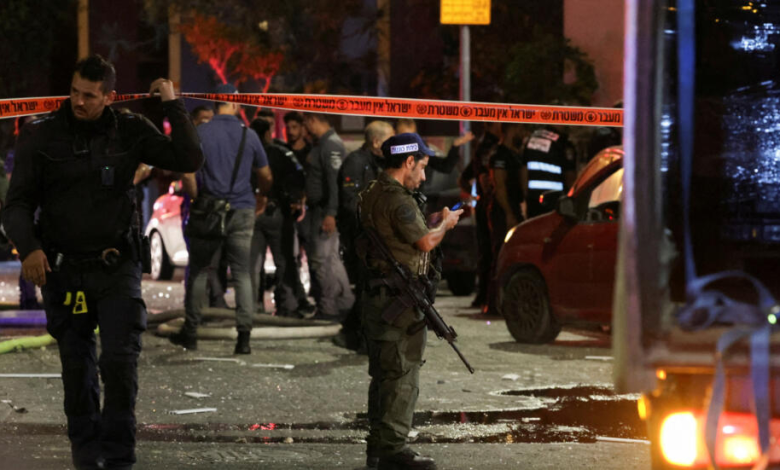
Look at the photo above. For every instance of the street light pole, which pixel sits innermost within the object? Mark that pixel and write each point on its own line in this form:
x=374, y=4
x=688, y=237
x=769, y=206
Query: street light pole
x=465, y=84
x=83, y=27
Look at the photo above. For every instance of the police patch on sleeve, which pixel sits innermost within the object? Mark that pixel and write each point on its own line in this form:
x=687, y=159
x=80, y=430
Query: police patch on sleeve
x=335, y=160
x=406, y=213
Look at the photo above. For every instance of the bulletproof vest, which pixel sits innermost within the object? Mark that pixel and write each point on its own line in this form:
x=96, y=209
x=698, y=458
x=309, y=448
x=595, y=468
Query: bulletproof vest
x=545, y=157
x=89, y=199
x=371, y=214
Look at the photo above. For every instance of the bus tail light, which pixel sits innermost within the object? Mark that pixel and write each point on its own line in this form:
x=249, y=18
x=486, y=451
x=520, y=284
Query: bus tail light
x=682, y=440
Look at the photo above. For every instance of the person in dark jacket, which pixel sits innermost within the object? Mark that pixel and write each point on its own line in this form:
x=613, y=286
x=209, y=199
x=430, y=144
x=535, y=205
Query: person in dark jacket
x=76, y=165
x=478, y=173
x=275, y=227
x=330, y=283
x=360, y=168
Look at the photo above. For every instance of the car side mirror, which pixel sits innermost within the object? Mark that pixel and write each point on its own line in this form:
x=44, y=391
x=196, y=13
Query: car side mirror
x=565, y=207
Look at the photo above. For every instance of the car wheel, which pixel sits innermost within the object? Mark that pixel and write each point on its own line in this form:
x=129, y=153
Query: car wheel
x=162, y=269
x=526, y=309
x=461, y=283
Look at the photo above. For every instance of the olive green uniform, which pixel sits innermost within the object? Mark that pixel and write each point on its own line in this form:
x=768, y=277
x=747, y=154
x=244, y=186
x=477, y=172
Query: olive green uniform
x=395, y=351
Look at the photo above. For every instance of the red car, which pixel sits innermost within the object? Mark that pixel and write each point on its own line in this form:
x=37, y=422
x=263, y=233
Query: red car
x=560, y=267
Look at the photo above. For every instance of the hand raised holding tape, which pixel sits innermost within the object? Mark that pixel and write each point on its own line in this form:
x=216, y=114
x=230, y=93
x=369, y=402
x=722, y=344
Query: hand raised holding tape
x=164, y=87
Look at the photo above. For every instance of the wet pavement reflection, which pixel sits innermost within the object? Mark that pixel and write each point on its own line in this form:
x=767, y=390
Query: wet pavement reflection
x=581, y=414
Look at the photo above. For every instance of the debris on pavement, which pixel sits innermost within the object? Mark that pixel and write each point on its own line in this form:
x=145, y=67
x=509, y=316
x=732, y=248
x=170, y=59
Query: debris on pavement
x=220, y=359
x=197, y=395
x=192, y=411
x=275, y=366
x=17, y=409
x=30, y=376
x=598, y=358
x=622, y=440
x=512, y=377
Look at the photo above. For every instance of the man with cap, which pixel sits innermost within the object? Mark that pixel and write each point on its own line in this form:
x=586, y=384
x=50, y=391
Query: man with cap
x=224, y=139
x=395, y=349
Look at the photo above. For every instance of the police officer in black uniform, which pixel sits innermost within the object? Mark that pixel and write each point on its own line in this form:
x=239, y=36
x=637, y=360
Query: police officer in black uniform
x=360, y=167
x=76, y=165
x=479, y=171
x=275, y=227
x=548, y=165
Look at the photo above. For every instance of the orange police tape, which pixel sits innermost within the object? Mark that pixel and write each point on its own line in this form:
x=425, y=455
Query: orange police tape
x=372, y=107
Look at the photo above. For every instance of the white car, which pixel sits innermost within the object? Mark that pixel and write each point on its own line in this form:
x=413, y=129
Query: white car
x=165, y=235
x=167, y=240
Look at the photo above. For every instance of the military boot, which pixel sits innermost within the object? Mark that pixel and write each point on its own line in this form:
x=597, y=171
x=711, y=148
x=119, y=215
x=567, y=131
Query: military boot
x=406, y=459
x=185, y=340
x=242, y=345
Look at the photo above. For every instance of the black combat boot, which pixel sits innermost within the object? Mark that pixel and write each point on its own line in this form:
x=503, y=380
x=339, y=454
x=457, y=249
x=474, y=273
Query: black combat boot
x=406, y=459
x=242, y=345
x=185, y=340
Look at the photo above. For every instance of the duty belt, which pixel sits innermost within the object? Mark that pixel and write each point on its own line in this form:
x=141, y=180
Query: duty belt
x=108, y=258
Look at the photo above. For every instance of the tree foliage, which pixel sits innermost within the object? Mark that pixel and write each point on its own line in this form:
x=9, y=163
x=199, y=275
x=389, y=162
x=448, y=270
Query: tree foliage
x=232, y=58
x=257, y=39
x=522, y=57
x=549, y=69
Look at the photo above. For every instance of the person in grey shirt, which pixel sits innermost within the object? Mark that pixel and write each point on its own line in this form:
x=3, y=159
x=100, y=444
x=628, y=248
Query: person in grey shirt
x=330, y=284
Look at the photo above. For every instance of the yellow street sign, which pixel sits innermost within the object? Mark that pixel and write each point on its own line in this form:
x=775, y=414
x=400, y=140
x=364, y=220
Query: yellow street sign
x=465, y=12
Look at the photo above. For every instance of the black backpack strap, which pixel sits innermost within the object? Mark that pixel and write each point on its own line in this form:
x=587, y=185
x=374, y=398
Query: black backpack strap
x=238, y=159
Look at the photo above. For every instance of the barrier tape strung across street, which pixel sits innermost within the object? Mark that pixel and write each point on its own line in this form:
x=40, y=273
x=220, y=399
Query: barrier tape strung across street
x=371, y=107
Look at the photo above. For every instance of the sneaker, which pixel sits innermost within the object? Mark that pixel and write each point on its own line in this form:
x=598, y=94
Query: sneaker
x=187, y=341
x=242, y=345
x=406, y=459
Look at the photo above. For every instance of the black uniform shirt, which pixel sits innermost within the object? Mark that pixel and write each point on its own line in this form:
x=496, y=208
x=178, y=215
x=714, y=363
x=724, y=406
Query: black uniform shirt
x=547, y=159
x=505, y=159
x=289, y=178
x=80, y=175
x=359, y=168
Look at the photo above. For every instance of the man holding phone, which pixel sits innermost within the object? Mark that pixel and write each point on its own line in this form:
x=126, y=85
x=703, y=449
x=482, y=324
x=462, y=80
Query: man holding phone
x=396, y=345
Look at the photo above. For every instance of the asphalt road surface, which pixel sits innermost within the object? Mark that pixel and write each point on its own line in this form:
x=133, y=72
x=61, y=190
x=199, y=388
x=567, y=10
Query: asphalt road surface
x=530, y=407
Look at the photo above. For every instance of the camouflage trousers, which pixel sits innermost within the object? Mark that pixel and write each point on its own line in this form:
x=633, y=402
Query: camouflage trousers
x=394, y=360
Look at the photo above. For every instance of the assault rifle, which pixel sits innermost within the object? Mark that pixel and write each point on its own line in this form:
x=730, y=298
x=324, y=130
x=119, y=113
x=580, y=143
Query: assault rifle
x=412, y=293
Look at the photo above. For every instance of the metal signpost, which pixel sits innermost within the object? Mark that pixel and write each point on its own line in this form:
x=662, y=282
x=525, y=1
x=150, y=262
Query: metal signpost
x=465, y=13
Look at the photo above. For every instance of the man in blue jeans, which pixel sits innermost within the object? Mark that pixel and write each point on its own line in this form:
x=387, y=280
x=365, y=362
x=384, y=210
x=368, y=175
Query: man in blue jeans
x=221, y=139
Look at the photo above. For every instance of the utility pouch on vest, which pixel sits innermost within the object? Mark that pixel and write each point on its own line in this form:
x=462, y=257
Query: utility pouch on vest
x=400, y=303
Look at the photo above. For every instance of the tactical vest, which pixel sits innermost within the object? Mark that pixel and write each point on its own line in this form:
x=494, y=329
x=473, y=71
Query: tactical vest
x=372, y=212
x=89, y=203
